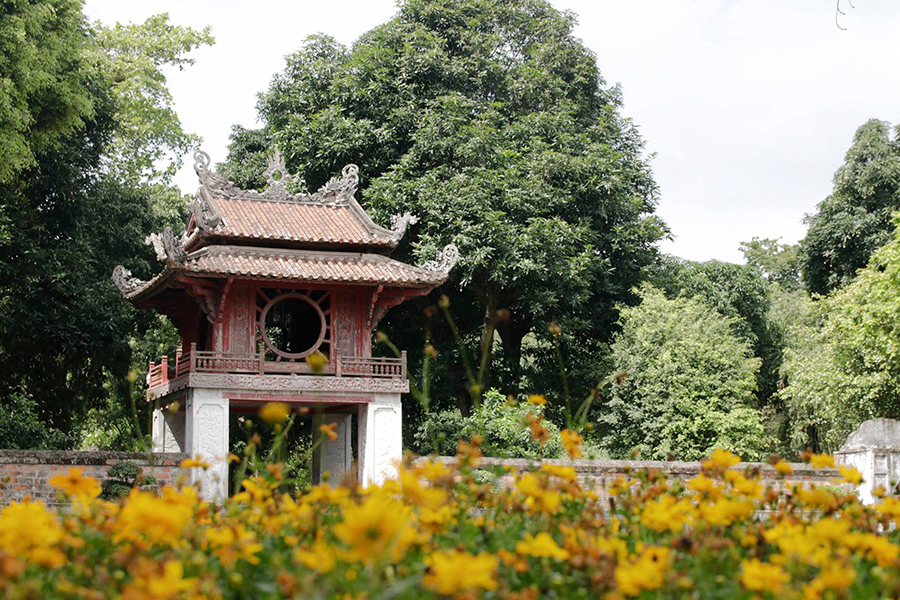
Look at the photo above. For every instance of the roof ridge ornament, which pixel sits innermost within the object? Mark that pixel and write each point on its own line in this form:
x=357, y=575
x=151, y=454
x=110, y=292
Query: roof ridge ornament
x=168, y=247
x=277, y=177
x=124, y=281
x=399, y=223
x=336, y=191
x=444, y=261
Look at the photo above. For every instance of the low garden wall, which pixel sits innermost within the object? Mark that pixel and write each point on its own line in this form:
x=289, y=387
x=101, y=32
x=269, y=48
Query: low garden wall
x=27, y=472
x=599, y=474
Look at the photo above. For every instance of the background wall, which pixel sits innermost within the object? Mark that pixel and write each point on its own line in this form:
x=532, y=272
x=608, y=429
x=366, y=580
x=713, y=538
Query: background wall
x=27, y=472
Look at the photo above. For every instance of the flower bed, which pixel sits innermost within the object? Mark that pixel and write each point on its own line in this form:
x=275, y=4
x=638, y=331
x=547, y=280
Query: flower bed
x=448, y=531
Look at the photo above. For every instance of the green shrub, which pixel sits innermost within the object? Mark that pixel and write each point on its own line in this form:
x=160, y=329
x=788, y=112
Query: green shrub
x=123, y=477
x=502, y=425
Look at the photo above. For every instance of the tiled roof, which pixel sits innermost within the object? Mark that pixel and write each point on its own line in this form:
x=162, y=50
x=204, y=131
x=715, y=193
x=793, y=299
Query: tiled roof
x=295, y=266
x=297, y=222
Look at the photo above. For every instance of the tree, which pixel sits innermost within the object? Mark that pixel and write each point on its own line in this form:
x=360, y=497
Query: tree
x=778, y=263
x=63, y=324
x=148, y=142
x=684, y=383
x=855, y=220
x=82, y=205
x=843, y=359
x=492, y=123
x=43, y=79
x=739, y=293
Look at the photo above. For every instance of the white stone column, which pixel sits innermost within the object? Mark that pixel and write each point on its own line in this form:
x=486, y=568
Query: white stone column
x=168, y=431
x=207, y=435
x=332, y=457
x=380, y=444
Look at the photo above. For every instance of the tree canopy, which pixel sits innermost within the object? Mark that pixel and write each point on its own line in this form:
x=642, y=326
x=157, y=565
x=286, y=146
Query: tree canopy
x=855, y=220
x=492, y=123
x=684, y=383
x=843, y=363
x=82, y=204
x=44, y=75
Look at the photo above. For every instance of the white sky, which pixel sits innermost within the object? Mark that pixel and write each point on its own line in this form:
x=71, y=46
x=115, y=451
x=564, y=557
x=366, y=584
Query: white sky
x=749, y=105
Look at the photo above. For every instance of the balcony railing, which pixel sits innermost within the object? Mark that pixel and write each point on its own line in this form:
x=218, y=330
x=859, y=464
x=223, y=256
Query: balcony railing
x=199, y=361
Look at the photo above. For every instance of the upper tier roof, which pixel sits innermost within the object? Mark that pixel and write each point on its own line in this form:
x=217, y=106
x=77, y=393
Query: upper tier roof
x=331, y=217
x=323, y=238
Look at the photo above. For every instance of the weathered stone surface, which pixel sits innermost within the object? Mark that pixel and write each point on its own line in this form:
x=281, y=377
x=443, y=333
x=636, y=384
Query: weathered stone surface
x=874, y=433
x=873, y=449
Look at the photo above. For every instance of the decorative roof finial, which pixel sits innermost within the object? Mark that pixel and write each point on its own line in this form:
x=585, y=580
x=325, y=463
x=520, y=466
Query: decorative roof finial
x=399, y=223
x=168, y=247
x=124, y=281
x=277, y=177
x=445, y=260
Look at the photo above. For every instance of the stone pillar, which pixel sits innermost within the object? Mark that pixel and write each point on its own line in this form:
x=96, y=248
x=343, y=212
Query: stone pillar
x=874, y=449
x=168, y=431
x=332, y=457
x=380, y=444
x=207, y=435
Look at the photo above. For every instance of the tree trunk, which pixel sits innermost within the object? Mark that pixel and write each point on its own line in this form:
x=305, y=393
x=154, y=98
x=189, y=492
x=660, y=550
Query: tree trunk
x=512, y=335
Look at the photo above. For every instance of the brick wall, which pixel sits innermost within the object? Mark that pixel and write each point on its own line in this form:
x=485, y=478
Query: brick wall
x=26, y=472
x=598, y=474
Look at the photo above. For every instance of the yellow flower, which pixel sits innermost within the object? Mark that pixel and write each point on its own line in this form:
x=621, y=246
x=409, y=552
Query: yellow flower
x=702, y=484
x=646, y=572
x=541, y=545
x=379, y=527
x=316, y=362
x=666, y=514
x=538, y=498
x=850, y=474
x=432, y=470
x=191, y=463
x=724, y=512
x=832, y=577
x=720, y=460
x=566, y=473
x=883, y=551
x=783, y=468
x=763, y=577
x=821, y=461
x=746, y=487
x=454, y=571
x=274, y=412
x=890, y=507
x=28, y=530
x=158, y=520
x=571, y=441
x=74, y=483
x=537, y=399
x=320, y=557
x=329, y=431
x=151, y=583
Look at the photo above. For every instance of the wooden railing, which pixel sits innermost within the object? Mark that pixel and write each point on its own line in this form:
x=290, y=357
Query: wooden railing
x=200, y=361
x=357, y=366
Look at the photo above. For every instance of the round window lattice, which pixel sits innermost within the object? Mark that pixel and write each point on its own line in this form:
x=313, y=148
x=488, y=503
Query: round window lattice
x=265, y=334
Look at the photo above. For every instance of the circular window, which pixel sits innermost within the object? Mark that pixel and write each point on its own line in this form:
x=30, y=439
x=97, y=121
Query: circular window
x=293, y=325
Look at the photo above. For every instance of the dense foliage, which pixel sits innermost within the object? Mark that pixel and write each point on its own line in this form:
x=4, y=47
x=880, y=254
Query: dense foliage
x=90, y=182
x=842, y=365
x=441, y=530
x=684, y=383
x=855, y=219
x=491, y=122
x=44, y=87
x=500, y=421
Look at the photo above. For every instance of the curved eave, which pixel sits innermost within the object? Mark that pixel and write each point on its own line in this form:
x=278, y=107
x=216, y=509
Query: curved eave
x=291, y=266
